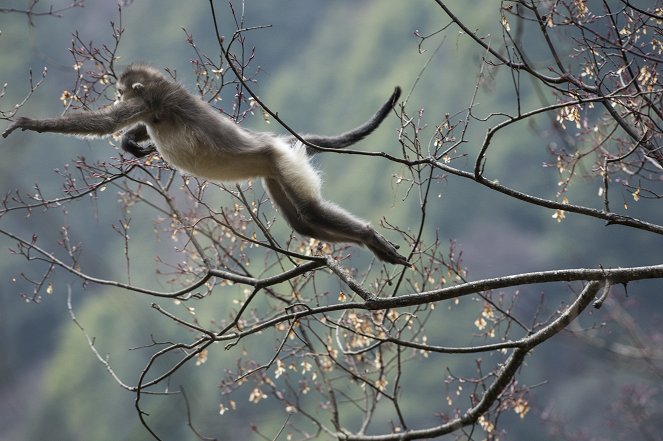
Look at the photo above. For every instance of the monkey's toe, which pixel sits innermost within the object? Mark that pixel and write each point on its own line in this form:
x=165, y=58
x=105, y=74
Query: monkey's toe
x=392, y=256
x=386, y=251
x=398, y=259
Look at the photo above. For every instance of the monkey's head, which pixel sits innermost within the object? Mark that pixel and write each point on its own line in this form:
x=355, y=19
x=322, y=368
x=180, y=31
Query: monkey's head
x=135, y=79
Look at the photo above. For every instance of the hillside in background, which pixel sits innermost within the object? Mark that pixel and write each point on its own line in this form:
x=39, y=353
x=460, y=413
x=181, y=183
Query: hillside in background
x=324, y=67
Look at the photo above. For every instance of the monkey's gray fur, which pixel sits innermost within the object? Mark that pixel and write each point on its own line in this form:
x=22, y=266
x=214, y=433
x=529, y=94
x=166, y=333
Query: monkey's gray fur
x=197, y=139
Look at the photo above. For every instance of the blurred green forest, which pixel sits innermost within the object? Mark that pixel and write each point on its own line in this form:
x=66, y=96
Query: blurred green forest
x=324, y=66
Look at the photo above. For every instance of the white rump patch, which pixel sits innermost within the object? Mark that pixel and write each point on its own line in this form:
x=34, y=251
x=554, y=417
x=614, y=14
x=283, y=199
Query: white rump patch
x=297, y=171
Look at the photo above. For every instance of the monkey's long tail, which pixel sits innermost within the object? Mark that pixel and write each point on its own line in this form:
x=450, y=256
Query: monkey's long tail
x=355, y=135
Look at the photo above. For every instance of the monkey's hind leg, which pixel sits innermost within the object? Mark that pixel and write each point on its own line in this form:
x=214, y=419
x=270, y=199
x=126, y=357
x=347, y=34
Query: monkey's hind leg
x=325, y=221
x=341, y=226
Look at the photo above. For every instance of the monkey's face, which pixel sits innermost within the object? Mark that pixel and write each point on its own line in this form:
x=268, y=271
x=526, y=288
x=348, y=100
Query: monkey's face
x=136, y=80
x=127, y=90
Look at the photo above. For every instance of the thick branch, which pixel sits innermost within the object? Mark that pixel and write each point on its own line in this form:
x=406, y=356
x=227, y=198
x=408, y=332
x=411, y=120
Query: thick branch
x=502, y=379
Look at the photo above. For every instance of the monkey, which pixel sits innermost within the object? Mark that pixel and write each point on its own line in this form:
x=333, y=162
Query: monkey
x=195, y=138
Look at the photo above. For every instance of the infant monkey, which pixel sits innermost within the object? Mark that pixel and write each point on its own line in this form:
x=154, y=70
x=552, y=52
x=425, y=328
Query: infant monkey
x=197, y=139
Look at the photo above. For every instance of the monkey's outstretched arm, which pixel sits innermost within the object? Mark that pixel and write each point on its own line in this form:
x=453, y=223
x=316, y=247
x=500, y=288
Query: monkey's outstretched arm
x=355, y=135
x=94, y=123
x=131, y=139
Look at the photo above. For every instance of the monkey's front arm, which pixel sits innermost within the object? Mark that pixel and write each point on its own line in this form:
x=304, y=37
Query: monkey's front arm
x=94, y=123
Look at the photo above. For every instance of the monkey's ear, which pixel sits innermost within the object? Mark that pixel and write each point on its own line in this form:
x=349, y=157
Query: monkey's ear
x=137, y=86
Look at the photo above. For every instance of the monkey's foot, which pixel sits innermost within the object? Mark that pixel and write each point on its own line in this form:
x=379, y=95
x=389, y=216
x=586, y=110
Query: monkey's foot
x=138, y=150
x=385, y=250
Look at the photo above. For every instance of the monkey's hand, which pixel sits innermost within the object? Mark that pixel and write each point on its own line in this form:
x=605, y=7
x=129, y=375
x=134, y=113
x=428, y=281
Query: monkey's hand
x=22, y=123
x=139, y=151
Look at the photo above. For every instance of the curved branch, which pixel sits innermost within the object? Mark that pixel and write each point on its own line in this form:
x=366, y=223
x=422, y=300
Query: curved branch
x=183, y=293
x=615, y=276
x=517, y=66
x=610, y=217
x=503, y=378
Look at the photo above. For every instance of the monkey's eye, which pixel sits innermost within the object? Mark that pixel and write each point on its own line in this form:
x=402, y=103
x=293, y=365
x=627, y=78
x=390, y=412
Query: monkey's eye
x=118, y=95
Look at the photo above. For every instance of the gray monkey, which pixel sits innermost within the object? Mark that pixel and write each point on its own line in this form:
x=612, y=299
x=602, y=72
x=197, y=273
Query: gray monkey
x=195, y=138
